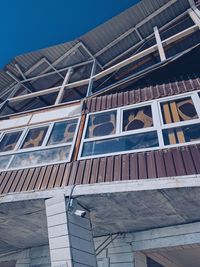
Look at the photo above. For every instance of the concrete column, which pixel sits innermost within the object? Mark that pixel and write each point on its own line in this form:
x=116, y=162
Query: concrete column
x=70, y=236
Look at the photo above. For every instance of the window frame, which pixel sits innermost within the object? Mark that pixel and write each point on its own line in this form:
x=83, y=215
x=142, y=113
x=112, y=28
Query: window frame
x=119, y=132
x=44, y=145
x=158, y=125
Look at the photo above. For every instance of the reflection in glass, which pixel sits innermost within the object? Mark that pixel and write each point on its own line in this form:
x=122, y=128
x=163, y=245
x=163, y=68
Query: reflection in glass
x=46, y=156
x=14, y=107
x=63, y=132
x=178, y=110
x=34, y=137
x=9, y=141
x=182, y=134
x=101, y=124
x=73, y=94
x=118, y=144
x=4, y=161
x=137, y=118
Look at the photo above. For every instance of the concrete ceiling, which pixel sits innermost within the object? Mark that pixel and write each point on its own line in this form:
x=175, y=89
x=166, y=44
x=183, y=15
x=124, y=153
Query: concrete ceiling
x=135, y=211
x=22, y=225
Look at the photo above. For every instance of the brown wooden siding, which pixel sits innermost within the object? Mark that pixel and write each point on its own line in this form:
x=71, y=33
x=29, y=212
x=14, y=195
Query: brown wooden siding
x=140, y=95
x=144, y=165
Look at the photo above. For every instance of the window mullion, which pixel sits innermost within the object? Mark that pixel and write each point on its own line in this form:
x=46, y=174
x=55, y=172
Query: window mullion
x=19, y=142
x=157, y=122
x=11, y=159
x=46, y=138
x=118, y=121
x=196, y=100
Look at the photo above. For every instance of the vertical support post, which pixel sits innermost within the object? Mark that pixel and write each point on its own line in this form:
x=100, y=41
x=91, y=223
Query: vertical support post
x=70, y=236
x=61, y=92
x=91, y=79
x=138, y=33
x=159, y=44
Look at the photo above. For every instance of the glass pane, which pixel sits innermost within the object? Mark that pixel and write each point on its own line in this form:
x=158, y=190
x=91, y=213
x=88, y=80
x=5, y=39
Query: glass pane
x=101, y=124
x=9, y=141
x=46, y=156
x=137, y=118
x=182, y=134
x=34, y=137
x=73, y=94
x=123, y=143
x=14, y=107
x=178, y=110
x=63, y=132
x=4, y=161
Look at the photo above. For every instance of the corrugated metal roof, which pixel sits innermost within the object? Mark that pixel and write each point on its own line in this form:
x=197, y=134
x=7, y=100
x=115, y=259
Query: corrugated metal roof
x=26, y=61
x=103, y=35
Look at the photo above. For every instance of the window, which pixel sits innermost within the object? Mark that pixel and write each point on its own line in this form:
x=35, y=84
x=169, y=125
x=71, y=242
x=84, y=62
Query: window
x=178, y=110
x=101, y=124
x=9, y=141
x=62, y=132
x=137, y=118
x=151, y=125
x=182, y=134
x=36, y=146
x=106, y=133
x=181, y=112
x=122, y=143
x=40, y=157
x=34, y=137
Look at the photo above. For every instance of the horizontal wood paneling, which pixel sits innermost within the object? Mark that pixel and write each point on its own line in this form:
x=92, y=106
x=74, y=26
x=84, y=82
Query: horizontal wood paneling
x=143, y=165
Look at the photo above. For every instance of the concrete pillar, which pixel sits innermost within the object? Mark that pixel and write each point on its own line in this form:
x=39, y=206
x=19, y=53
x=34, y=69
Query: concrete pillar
x=70, y=236
x=114, y=251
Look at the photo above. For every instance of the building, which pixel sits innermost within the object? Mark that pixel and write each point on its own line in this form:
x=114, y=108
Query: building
x=100, y=145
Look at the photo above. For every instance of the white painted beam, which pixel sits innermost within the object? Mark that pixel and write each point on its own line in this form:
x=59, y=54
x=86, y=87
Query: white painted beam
x=90, y=84
x=58, y=71
x=194, y=17
x=148, y=18
x=147, y=51
x=20, y=71
x=108, y=188
x=159, y=44
x=61, y=91
x=131, y=59
x=146, y=39
x=161, y=238
x=180, y=35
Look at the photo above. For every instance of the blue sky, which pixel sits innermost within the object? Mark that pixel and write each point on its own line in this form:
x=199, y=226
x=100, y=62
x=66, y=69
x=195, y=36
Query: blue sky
x=28, y=25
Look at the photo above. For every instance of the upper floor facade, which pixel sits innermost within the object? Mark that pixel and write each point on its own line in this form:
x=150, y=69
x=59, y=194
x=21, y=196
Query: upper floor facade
x=137, y=117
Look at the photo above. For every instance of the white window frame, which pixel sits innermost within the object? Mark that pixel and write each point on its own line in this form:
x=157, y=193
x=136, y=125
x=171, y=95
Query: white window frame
x=119, y=132
x=164, y=126
x=44, y=145
x=158, y=124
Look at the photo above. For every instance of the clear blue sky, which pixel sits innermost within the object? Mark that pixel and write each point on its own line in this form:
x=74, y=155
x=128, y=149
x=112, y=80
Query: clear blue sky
x=28, y=25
